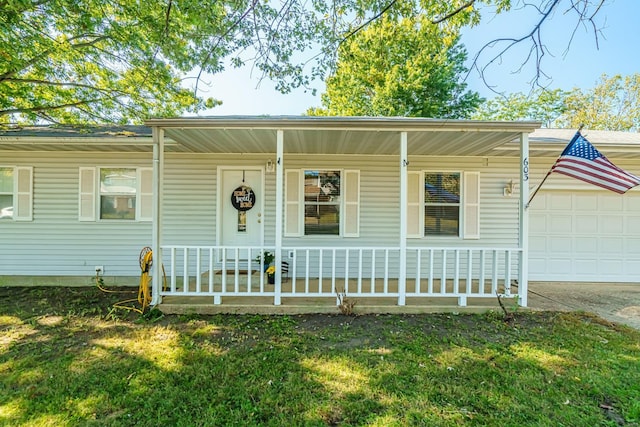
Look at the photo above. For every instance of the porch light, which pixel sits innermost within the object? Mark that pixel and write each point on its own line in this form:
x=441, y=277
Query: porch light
x=270, y=167
x=507, y=191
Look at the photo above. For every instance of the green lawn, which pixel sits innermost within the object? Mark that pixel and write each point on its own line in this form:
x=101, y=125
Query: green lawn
x=68, y=359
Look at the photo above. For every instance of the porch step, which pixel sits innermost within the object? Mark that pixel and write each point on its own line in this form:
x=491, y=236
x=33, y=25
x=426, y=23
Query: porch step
x=297, y=306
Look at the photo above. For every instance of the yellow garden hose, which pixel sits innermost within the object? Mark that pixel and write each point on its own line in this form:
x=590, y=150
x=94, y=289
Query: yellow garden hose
x=144, y=289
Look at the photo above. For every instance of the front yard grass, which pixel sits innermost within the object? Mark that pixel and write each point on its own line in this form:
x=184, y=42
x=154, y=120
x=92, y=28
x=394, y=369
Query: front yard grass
x=67, y=359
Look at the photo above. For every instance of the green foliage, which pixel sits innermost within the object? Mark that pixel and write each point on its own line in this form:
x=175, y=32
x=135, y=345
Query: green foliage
x=613, y=104
x=547, y=106
x=400, y=67
x=124, y=61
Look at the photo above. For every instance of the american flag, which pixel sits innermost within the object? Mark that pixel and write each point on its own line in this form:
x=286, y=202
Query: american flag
x=581, y=160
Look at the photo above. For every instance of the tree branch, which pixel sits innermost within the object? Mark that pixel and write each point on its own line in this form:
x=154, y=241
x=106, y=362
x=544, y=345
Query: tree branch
x=453, y=13
x=47, y=107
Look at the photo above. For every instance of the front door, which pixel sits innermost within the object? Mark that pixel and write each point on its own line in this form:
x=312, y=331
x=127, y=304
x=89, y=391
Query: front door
x=241, y=207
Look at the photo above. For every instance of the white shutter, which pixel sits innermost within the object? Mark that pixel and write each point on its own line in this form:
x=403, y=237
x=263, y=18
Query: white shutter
x=351, y=195
x=87, y=195
x=24, y=194
x=144, y=202
x=294, y=203
x=471, y=210
x=415, y=195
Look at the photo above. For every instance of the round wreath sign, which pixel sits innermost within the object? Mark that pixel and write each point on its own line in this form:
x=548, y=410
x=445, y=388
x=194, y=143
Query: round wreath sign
x=243, y=198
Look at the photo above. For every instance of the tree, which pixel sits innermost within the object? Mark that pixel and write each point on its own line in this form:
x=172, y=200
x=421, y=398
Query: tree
x=405, y=67
x=547, y=106
x=78, y=61
x=612, y=104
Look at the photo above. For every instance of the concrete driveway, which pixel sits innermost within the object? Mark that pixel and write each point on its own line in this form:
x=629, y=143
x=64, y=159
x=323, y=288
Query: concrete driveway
x=616, y=302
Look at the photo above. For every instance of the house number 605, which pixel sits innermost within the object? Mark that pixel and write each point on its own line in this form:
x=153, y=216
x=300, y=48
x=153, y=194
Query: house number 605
x=525, y=169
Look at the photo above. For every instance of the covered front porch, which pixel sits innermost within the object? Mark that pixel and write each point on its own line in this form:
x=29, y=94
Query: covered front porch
x=409, y=273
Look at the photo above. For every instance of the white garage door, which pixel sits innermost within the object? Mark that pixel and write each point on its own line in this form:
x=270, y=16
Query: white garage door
x=587, y=236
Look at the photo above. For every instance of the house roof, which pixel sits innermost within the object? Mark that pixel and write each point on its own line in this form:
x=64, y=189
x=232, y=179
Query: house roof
x=317, y=135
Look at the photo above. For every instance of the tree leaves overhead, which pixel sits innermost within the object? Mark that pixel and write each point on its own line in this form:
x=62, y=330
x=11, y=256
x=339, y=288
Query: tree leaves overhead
x=612, y=104
x=400, y=67
x=79, y=61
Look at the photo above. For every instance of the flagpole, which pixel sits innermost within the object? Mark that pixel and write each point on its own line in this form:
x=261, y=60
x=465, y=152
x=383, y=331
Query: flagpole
x=539, y=186
x=547, y=175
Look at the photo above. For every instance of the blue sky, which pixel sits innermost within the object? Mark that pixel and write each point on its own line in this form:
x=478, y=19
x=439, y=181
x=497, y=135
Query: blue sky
x=618, y=52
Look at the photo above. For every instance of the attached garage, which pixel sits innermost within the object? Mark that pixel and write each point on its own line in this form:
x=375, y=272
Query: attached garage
x=585, y=236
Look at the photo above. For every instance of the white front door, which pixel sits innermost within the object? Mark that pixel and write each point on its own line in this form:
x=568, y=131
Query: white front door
x=241, y=208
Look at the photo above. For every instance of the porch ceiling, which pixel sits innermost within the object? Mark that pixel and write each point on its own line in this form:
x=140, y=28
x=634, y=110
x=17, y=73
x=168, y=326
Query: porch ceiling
x=339, y=135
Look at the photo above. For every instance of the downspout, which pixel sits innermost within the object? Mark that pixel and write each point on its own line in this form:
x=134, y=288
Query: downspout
x=523, y=285
x=279, y=210
x=402, y=274
x=156, y=225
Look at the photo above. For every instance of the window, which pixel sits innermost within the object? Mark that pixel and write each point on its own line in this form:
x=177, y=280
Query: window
x=322, y=203
x=442, y=204
x=6, y=193
x=116, y=194
x=16, y=193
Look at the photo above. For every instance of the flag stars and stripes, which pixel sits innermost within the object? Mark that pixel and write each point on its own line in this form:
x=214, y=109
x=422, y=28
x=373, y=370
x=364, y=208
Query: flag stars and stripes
x=581, y=160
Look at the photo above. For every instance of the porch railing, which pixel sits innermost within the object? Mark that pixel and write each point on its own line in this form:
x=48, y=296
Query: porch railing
x=364, y=272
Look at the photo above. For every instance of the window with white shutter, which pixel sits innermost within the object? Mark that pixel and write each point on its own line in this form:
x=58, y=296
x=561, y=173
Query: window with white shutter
x=115, y=194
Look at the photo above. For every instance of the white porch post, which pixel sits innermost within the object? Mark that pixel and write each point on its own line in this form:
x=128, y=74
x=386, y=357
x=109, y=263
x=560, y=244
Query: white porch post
x=523, y=285
x=402, y=274
x=279, y=217
x=156, y=238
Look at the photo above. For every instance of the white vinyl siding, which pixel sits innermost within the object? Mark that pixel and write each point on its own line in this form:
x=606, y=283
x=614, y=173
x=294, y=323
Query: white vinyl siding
x=58, y=244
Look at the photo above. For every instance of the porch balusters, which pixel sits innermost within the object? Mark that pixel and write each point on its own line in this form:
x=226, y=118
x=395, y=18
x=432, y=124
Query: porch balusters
x=483, y=271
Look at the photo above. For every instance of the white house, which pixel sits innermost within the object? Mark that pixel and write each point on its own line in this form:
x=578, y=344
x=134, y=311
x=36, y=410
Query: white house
x=412, y=212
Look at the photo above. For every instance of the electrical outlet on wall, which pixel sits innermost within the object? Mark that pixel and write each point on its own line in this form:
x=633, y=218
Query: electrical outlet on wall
x=99, y=269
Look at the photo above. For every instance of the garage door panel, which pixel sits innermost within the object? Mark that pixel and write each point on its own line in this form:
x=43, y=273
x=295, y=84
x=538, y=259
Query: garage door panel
x=585, y=204
x=538, y=224
x=583, y=235
x=559, y=245
x=560, y=223
x=610, y=246
x=586, y=266
x=611, y=224
x=559, y=202
x=632, y=268
x=611, y=266
x=586, y=245
x=632, y=246
x=610, y=203
x=585, y=223
x=632, y=201
x=560, y=266
x=632, y=225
